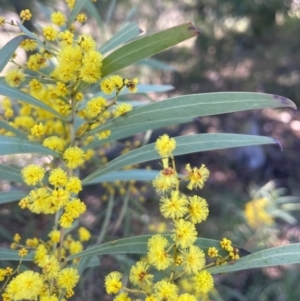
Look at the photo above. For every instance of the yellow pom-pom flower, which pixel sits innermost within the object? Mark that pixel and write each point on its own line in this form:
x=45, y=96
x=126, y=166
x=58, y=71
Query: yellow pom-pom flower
x=122, y=109
x=74, y=157
x=174, y=206
x=204, y=282
x=58, y=177
x=81, y=18
x=139, y=274
x=54, y=236
x=212, y=252
x=84, y=234
x=165, y=145
x=26, y=286
x=50, y=267
x=198, y=209
x=33, y=174
x=74, y=185
x=164, y=290
x=55, y=143
x=14, y=78
x=193, y=259
x=38, y=130
x=113, y=282
x=196, y=176
x=25, y=15
x=157, y=255
x=28, y=44
x=165, y=180
x=68, y=278
x=185, y=233
x=58, y=18
x=95, y=106
x=36, y=62
x=50, y=33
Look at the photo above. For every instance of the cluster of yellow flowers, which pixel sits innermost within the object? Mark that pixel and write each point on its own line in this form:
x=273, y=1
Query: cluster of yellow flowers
x=55, y=76
x=256, y=213
x=177, y=253
x=55, y=279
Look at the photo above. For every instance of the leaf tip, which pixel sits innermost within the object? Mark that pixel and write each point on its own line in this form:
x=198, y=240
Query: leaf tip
x=278, y=143
x=192, y=28
x=284, y=101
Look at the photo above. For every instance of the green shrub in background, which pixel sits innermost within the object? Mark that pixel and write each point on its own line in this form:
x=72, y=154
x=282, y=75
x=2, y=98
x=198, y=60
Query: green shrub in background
x=63, y=104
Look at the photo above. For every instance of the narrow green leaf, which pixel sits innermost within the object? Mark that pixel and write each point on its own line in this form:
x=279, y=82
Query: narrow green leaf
x=156, y=64
x=75, y=11
x=126, y=175
x=121, y=133
x=8, y=50
x=11, y=196
x=12, y=145
x=283, y=255
x=110, y=10
x=190, y=106
x=10, y=128
x=88, y=262
x=135, y=245
x=141, y=90
x=8, y=254
x=8, y=91
x=125, y=34
x=93, y=11
x=9, y=173
x=146, y=46
x=184, y=145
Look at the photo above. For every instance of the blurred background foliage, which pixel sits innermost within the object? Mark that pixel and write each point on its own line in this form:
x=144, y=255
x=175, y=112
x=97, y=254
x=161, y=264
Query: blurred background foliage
x=250, y=45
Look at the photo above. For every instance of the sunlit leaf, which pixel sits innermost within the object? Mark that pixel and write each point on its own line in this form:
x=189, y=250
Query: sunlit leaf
x=194, y=105
x=146, y=46
x=184, y=145
x=125, y=34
